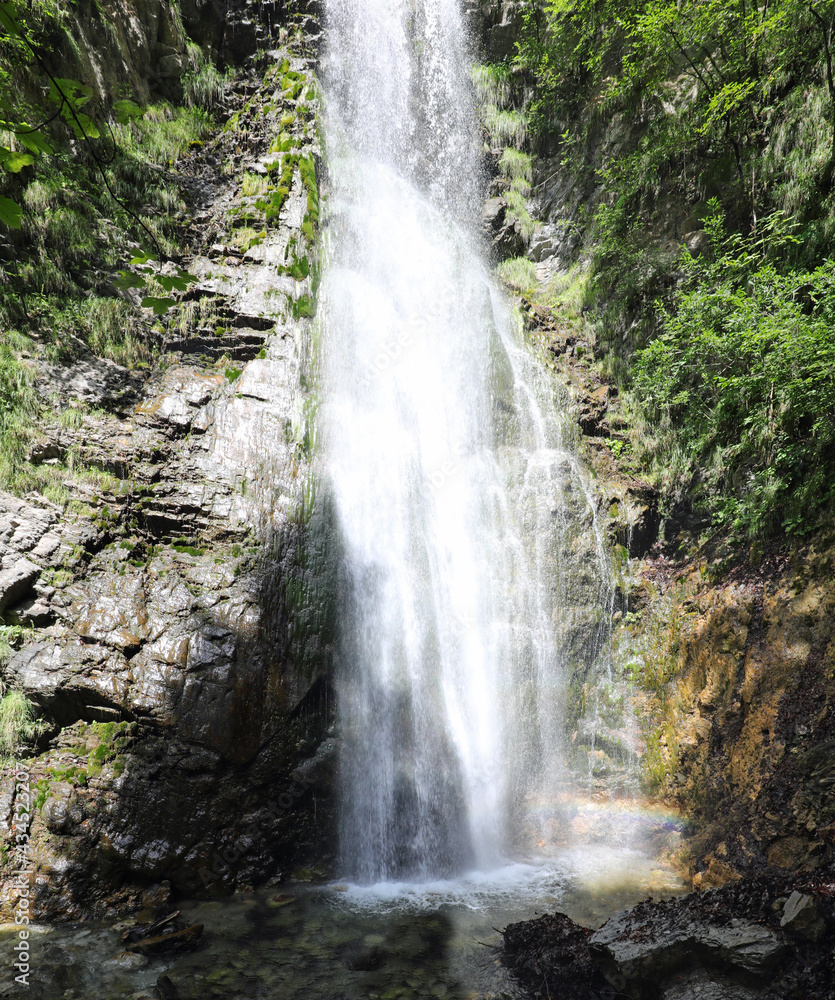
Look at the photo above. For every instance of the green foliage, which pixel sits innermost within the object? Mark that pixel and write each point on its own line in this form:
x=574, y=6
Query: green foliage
x=18, y=725
x=303, y=307
x=506, y=126
x=17, y=402
x=203, y=84
x=728, y=352
x=745, y=371
x=163, y=134
x=519, y=273
x=493, y=84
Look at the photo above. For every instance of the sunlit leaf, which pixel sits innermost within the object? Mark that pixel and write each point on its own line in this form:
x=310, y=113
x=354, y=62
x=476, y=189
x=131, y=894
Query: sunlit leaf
x=127, y=279
x=11, y=214
x=15, y=162
x=127, y=111
x=160, y=306
x=34, y=141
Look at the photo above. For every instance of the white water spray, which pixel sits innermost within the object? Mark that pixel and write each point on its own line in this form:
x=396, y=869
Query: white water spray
x=460, y=510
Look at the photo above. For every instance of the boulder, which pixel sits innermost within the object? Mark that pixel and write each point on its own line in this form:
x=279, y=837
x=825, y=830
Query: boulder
x=638, y=951
x=17, y=580
x=802, y=917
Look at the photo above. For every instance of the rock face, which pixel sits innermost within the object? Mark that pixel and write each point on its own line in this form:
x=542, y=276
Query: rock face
x=744, y=704
x=635, y=954
x=725, y=944
x=803, y=917
x=174, y=639
x=142, y=44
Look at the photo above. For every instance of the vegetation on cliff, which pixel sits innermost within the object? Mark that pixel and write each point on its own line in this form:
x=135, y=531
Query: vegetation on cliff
x=709, y=127
x=87, y=185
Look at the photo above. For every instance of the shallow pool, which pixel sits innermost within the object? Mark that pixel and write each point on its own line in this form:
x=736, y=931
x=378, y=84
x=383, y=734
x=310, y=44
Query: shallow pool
x=345, y=942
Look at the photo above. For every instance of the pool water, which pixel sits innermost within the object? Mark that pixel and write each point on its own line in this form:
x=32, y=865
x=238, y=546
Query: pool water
x=337, y=941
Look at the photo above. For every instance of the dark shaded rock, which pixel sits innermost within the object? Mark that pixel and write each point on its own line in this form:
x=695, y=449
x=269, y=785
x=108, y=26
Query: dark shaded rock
x=503, y=235
x=640, y=950
x=645, y=521
x=802, y=917
x=702, y=985
x=725, y=944
x=551, y=956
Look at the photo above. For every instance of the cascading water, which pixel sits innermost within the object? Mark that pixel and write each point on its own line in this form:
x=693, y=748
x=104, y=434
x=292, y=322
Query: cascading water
x=468, y=548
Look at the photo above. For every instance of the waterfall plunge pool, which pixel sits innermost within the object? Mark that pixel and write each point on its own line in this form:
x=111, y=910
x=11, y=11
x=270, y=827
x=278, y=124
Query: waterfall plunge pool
x=341, y=941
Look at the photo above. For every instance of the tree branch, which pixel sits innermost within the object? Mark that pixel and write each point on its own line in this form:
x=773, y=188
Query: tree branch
x=705, y=83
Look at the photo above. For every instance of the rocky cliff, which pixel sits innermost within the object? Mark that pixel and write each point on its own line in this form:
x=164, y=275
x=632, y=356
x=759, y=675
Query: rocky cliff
x=168, y=615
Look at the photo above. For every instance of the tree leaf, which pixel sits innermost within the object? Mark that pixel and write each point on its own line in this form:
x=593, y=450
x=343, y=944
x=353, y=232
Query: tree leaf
x=11, y=214
x=7, y=20
x=127, y=279
x=179, y=282
x=15, y=162
x=34, y=141
x=160, y=306
x=126, y=111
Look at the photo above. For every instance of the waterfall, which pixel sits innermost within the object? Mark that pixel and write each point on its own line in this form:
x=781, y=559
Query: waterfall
x=470, y=562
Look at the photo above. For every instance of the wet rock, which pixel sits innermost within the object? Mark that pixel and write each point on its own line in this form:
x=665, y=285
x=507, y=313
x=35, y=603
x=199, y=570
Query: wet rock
x=648, y=949
x=71, y=682
x=127, y=960
x=16, y=580
x=63, y=810
x=156, y=896
x=802, y=917
x=551, y=956
x=703, y=985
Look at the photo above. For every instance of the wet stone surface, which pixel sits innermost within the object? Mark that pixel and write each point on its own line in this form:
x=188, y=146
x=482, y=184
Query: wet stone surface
x=732, y=943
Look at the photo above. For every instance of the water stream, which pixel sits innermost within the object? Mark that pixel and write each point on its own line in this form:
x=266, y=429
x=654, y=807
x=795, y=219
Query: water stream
x=471, y=561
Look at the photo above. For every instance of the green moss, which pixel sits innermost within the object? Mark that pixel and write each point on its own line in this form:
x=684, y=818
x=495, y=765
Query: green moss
x=189, y=550
x=41, y=793
x=303, y=307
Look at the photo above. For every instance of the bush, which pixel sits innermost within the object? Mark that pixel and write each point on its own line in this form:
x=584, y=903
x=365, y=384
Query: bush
x=744, y=371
